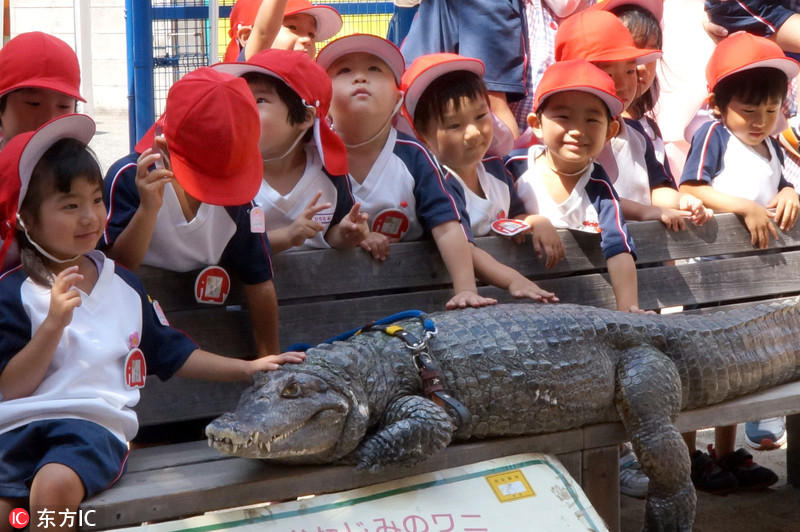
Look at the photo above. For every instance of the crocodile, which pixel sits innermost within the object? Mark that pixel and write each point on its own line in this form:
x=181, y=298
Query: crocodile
x=519, y=369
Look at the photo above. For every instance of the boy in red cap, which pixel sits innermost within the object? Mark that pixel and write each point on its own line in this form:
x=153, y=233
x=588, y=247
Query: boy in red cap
x=647, y=190
x=305, y=193
x=735, y=166
x=447, y=102
x=287, y=25
x=79, y=333
x=196, y=210
x=574, y=114
x=393, y=175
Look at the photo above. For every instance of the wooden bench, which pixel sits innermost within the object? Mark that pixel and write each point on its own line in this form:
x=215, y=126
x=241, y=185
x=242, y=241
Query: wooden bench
x=323, y=293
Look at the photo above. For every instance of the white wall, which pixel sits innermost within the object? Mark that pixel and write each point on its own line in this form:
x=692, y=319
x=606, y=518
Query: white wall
x=108, y=49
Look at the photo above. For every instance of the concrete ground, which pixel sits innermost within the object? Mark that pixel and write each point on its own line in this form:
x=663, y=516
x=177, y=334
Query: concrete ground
x=776, y=509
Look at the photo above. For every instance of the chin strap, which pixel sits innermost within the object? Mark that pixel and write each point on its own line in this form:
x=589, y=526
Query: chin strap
x=40, y=249
x=382, y=129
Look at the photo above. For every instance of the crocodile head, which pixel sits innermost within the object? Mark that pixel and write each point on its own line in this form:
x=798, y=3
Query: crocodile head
x=301, y=414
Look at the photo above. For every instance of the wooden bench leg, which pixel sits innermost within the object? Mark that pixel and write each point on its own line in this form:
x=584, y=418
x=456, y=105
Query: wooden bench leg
x=600, y=482
x=793, y=450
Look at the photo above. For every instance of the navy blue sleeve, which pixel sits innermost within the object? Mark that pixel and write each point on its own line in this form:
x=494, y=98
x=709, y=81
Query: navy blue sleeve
x=247, y=254
x=14, y=322
x=656, y=172
x=705, y=159
x=614, y=235
x=165, y=349
x=496, y=167
x=516, y=162
x=344, y=197
x=456, y=190
x=489, y=30
x=121, y=197
x=435, y=202
x=783, y=183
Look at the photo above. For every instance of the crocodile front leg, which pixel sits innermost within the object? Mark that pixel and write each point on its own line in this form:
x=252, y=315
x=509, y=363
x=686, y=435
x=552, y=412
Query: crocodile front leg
x=412, y=429
x=648, y=397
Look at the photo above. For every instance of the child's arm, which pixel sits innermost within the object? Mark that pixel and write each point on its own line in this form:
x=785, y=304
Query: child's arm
x=455, y=251
x=756, y=217
x=300, y=230
x=672, y=218
x=670, y=198
x=211, y=367
x=350, y=231
x=266, y=26
x=546, y=242
x=493, y=272
x=131, y=245
x=622, y=271
x=26, y=370
x=262, y=303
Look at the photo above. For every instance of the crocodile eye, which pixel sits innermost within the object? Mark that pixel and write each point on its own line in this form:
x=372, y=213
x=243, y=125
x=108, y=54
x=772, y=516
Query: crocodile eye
x=291, y=390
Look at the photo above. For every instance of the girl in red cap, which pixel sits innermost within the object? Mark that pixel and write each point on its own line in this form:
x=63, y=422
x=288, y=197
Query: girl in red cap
x=79, y=333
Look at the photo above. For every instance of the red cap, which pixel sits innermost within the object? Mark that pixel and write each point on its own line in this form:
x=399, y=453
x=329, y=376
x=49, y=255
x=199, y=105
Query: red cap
x=743, y=51
x=363, y=42
x=427, y=68
x=329, y=21
x=212, y=129
x=577, y=75
x=597, y=35
x=41, y=61
x=312, y=84
x=656, y=7
x=20, y=156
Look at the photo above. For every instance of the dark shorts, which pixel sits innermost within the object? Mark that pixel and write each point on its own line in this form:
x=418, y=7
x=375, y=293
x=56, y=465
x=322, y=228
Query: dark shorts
x=94, y=453
x=755, y=16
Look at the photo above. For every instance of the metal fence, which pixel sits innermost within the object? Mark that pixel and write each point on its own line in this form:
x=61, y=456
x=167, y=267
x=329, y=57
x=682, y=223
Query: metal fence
x=168, y=38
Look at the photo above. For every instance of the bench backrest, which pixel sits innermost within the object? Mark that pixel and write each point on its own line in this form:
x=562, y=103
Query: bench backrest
x=323, y=293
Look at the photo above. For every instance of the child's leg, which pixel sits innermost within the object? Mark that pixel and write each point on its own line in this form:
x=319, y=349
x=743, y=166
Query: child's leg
x=788, y=35
x=56, y=488
x=724, y=439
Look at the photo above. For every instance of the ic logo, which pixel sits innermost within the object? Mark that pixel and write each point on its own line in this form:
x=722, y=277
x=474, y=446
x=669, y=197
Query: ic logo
x=19, y=518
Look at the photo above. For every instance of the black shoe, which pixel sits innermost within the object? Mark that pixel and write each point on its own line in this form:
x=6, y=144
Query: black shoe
x=749, y=474
x=708, y=476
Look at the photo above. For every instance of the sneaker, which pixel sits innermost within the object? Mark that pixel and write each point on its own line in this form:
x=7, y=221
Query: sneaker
x=749, y=474
x=765, y=435
x=708, y=476
x=633, y=482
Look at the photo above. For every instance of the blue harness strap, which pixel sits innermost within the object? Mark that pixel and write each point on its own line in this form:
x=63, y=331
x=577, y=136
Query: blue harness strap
x=427, y=325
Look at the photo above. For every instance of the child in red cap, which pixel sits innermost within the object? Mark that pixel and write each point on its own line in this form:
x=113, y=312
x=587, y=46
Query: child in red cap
x=39, y=80
x=198, y=210
x=393, y=175
x=448, y=104
x=79, y=333
x=287, y=25
x=573, y=114
x=305, y=193
x=735, y=166
x=647, y=190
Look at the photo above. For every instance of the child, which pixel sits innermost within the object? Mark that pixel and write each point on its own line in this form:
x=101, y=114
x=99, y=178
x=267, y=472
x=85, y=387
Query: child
x=573, y=114
x=78, y=332
x=735, y=166
x=774, y=20
x=648, y=192
x=39, y=80
x=305, y=192
x=392, y=175
x=199, y=211
x=446, y=101
x=288, y=25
